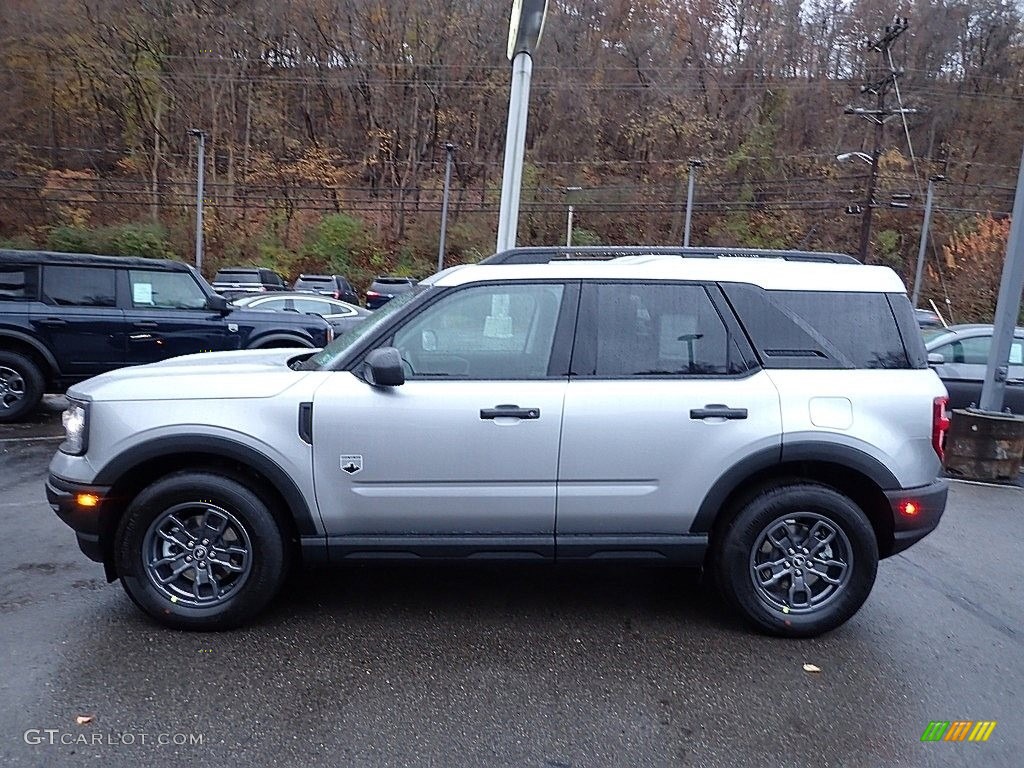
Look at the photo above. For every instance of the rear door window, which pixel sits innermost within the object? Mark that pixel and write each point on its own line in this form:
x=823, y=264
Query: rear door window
x=79, y=286
x=656, y=329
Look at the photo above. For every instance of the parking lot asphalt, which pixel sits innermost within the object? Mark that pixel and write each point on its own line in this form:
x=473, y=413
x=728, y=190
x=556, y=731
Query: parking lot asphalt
x=497, y=666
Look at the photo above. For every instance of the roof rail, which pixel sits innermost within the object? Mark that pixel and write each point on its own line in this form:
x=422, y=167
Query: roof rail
x=545, y=254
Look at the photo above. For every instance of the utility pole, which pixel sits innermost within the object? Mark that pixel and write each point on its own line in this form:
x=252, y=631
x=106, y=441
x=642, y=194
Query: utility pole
x=1007, y=306
x=449, y=149
x=201, y=167
x=694, y=165
x=568, y=222
x=925, y=228
x=878, y=115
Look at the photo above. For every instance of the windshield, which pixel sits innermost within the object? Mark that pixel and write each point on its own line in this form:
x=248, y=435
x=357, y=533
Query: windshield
x=326, y=357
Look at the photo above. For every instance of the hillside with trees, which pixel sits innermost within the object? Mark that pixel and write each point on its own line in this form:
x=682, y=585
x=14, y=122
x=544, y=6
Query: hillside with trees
x=327, y=121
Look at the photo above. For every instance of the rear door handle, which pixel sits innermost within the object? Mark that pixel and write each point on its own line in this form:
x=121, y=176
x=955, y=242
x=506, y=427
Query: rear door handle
x=718, y=411
x=145, y=324
x=509, y=412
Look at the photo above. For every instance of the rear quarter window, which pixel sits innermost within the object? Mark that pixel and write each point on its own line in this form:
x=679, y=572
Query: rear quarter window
x=828, y=329
x=19, y=283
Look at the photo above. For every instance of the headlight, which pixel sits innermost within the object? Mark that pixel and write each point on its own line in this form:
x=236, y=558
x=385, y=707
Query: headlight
x=76, y=429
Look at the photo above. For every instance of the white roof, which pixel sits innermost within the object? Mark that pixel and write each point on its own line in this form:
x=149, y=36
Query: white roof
x=771, y=274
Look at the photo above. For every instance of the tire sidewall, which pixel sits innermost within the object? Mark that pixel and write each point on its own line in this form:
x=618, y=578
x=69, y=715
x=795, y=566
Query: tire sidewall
x=267, y=550
x=34, y=384
x=734, y=558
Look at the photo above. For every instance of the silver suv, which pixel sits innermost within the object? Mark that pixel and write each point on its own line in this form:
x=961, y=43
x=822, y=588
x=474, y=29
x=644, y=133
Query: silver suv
x=771, y=420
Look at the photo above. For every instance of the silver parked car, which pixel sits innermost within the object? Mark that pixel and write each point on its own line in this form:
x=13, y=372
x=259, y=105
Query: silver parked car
x=711, y=412
x=342, y=316
x=959, y=355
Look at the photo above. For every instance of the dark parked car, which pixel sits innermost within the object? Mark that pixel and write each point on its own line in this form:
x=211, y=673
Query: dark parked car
x=341, y=315
x=959, y=355
x=237, y=281
x=927, y=319
x=67, y=317
x=383, y=289
x=336, y=286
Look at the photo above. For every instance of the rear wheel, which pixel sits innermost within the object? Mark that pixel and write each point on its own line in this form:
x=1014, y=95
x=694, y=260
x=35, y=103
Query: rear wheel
x=201, y=551
x=798, y=560
x=21, y=386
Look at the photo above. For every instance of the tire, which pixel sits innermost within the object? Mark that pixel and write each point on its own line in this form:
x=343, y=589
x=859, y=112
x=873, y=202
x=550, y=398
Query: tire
x=241, y=585
x=21, y=386
x=799, y=595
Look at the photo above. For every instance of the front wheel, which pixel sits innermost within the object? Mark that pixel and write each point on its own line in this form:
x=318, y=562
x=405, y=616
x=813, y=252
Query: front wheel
x=798, y=560
x=197, y=550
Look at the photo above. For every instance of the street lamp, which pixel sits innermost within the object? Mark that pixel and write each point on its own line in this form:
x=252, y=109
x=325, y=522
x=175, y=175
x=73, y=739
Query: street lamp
x=694, y=165
x=526, y=23
x=568, y=225
x=200, y=162
x=449, y=148
x=845, y=157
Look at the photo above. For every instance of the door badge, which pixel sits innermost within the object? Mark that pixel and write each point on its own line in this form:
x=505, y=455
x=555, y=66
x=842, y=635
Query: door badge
x=352, y=464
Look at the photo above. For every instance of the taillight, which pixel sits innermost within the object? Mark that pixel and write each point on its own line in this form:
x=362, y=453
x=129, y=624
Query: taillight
x=337, y=295
x=374, y=294
x=940, y=424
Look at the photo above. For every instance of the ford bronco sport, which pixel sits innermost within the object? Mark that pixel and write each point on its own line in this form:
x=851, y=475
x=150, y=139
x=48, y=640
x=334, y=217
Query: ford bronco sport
x=768, y=417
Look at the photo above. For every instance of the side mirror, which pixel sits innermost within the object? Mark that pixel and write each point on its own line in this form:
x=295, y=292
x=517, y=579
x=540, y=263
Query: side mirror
x=936, y=358
x=384, y=367
x=217, y=303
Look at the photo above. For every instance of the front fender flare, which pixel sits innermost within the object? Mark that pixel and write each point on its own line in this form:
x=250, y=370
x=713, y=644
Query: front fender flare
x=223, y=447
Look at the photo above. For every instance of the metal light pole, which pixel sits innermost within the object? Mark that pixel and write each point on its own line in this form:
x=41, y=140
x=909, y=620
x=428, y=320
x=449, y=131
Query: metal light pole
x=449, y=148
x=201, y=166
x=1007, y=307
x=568, y=223
x=525, y=26
x=925, y=228
x=694, y=165
x=869, y=203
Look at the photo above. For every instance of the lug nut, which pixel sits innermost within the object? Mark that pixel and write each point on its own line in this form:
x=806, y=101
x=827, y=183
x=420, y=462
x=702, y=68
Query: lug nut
x=202, y=563
x=191, y=544
x=799, y=573
x=188, y=559
x=787, y=564
x=206, y=541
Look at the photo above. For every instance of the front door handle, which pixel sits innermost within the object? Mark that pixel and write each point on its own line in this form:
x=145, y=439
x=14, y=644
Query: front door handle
x=509, y=412
x=718, y=411
x=145, y=324
x=53, y=321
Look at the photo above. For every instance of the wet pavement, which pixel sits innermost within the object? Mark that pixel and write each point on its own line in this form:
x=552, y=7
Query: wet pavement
x=499, y=666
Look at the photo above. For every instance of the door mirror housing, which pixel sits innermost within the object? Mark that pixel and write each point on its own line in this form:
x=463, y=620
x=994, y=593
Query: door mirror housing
x=217, y=303
x=384, y=368
x=936, y=358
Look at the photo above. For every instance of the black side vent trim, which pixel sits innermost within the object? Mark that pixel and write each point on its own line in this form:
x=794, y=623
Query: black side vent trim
x=306, y=422
x=793, y=353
